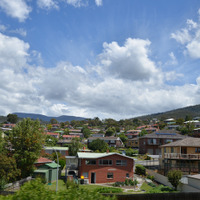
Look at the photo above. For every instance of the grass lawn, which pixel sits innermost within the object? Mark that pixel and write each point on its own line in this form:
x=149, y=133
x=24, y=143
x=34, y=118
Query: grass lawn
x=61, y=186
x=145, y=187
x=90, y=187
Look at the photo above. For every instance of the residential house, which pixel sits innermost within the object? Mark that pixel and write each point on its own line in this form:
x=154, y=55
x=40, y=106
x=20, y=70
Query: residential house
x=56, y=135
x=62, y=150
x=98, y=135
x=130, y=134
x=132, y=143
x=183, y=154
x=150, y=143
x=101, y=167
x=48, y=171
x=111, y=141
x=41, y=161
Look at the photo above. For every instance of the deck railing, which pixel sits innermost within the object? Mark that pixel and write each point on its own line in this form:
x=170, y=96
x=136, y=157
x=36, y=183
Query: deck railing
x=182, y=156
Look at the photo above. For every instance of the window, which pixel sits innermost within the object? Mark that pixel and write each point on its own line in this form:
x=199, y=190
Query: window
x=112, y=141
x=197, y=150
x=121, y=162
x=172, y=149
x=168, y=141
x=127, y=175
x=85, y=174
x=90, y=162
x=151, y=141
x=105, y=162
x=110, y=175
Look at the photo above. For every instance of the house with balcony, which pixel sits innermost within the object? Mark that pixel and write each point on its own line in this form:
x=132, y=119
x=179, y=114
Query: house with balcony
x=100, y=167
x=151, y=143
x=183, y=155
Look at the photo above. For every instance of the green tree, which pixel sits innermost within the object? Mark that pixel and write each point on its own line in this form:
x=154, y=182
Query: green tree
x=98, y=145
x=74, y=147
x=142, y=133
x=50, y=141
x=123, y=137
x=12, y=118
x=26, y=140
x=110, y=131
x=86, y=132
x=8, y=169
x=2, y=142
x=174, y=177
x=53, y=121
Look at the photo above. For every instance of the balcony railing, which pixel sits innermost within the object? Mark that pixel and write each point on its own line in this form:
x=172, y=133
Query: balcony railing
x=182, y=156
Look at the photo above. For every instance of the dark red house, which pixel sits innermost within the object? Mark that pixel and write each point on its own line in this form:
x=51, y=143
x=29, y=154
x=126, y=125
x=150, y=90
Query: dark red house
x=103, y=167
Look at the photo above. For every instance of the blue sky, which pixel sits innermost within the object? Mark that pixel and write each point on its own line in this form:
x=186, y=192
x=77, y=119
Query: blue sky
x=105, y=58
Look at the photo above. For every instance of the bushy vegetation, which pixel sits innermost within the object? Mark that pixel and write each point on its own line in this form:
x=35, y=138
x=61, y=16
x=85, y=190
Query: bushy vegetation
x=108, y=190
x=36, y=190
x=174, y=177
x=127, y=182
x=140, y=170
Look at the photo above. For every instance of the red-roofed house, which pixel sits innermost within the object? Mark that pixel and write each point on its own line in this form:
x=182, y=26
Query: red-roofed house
x=56, y=135
x=41, y=161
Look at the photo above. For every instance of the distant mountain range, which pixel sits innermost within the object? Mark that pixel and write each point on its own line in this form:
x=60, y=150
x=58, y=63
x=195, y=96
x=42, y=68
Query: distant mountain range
x=45, y=118
x=191, y=111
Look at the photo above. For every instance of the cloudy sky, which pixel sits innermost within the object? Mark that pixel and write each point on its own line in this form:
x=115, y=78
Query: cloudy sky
x=105, y=58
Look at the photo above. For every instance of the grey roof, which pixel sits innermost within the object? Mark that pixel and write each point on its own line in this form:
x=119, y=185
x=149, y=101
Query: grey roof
x=186, y=142
x=104, y=138
x=169, y=134
x=98, y=155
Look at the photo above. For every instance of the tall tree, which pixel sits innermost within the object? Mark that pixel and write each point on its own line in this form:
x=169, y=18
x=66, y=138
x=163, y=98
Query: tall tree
x=98, y=145
x=12, y=118
x=26, y=140
x=174, y=177
x=8, y=169
x=74, y=147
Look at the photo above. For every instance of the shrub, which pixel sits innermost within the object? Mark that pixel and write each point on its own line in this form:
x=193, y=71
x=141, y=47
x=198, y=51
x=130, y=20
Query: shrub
x=151, y=177
x=108, y=190
x=140, y=170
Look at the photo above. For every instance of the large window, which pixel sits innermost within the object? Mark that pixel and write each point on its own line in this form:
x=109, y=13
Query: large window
x=105, y=162
x=110, y=175
x=121, y=162
x=90, y=162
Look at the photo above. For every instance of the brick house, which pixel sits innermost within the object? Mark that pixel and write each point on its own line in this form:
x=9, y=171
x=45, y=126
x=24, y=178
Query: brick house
x=150, y=143
x=101, y=167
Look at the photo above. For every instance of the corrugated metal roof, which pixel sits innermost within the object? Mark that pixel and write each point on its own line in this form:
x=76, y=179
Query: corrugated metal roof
x=52, y=165
x=98, y=155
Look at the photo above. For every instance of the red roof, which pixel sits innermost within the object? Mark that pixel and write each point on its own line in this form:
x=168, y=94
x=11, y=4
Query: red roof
x=43, y=160
x=50, y=133
x=71, y=136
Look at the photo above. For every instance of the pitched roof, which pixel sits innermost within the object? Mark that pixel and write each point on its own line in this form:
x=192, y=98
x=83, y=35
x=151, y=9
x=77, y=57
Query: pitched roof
x=164, y=134
x=186, y=142
x=99, y=155
x=43, y=160
x=104, y=138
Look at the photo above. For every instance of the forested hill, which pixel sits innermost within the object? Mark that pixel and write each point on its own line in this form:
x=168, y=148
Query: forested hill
x=45, y=118
x=191, y=111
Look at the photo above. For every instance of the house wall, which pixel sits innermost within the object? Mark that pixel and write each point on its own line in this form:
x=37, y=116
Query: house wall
x=119, y=172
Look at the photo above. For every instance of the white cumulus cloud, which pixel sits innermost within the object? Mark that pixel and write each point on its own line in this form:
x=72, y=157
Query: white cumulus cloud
x=47, y=4
x=16, y=9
